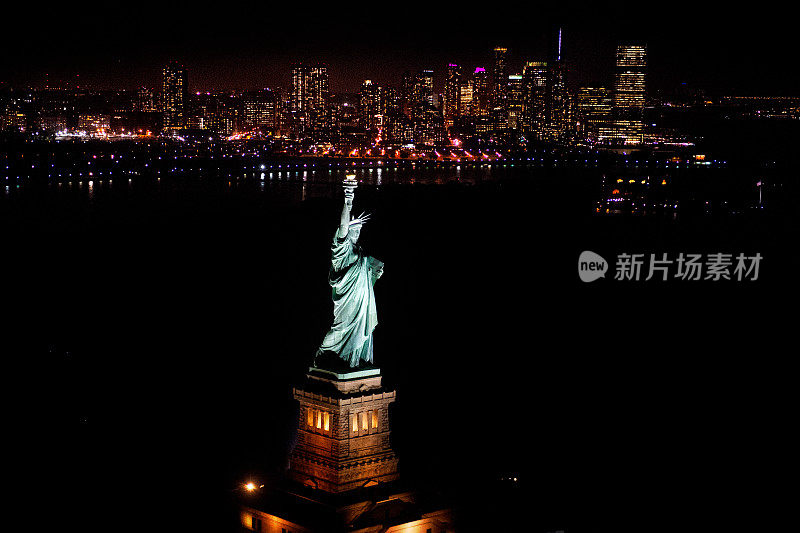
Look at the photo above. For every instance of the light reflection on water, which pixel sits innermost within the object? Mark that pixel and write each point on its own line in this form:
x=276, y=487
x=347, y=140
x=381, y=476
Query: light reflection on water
x=640, y=194
x=292, y=185
x=298, y=185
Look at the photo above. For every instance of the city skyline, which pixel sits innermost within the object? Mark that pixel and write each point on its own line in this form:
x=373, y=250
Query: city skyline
x=513, y=107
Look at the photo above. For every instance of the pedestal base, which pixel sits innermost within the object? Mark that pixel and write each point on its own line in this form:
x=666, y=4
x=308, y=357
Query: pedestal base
x=354, y=382
x=343, y=440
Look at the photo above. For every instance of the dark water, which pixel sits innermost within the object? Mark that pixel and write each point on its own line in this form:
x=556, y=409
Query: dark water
x=155, y=329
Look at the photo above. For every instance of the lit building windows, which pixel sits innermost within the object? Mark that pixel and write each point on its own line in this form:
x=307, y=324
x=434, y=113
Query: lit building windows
x=364, y=423
x=174, y=96
x=319, y=420
x=629, y=96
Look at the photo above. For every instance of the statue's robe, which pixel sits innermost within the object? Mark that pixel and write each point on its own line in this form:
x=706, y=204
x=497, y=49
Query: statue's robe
x=351, y=277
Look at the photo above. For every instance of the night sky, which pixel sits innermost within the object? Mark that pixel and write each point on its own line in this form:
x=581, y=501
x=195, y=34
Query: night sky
x=714, y=46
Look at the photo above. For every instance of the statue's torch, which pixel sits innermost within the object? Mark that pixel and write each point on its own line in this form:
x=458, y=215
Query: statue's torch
x=349, y=182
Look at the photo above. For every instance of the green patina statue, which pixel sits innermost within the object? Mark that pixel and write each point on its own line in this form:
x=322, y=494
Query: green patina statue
x=352, y=275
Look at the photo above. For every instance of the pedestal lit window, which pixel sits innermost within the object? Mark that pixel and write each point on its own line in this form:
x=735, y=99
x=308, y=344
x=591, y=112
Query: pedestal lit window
x=319, y=420
x=363, y=423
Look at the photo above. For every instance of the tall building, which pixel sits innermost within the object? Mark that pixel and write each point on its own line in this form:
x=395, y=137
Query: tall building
x=308, y=97
x=260, y=110
x=499, y=75
x=144, y=100
x=429, y=128
x=174, y=97
x=214, y=112
x=452, y=95
x=419, y=103
x=594, y=110
x=557, y=111
x=498, y=112
x=481, y=92
x=425, y=87
x=465, y=96
x=629, y=96
x=373, y=106
x=407, y=85
x=534, y=88
x=309, y=87
x=481, y=100
x=515, y=101
x=393, y=101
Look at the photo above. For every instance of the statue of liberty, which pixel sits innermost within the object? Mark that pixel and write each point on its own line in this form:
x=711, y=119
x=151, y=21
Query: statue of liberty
x=352, y=275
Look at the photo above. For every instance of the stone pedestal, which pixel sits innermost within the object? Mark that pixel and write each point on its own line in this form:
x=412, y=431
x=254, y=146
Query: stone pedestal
x=343, y=440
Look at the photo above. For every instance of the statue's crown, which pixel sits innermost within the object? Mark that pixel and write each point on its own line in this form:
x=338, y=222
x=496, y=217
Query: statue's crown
x=360, y=220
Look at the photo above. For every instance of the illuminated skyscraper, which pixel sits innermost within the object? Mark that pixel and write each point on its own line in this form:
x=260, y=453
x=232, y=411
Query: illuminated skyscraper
x=260, y=110
x=174, y=97
x=594, y=110
x=373, y=105
x=397, y=128
x=629, y=95
x=144, y=100
x=465, y=98
x=514, y=101
x=480, y=92
x=534, y=89
x=309, y=89
x=499, y=75
x=481, y=96
x=214, y=112
x=452, y=95
x=308, y=96
x=419, y=102
x=498, y=112
x=407, y=98
x=424, y=87
x=557, y=112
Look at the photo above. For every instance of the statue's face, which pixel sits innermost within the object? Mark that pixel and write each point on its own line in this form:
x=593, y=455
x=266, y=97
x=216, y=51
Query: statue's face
x=354, y=232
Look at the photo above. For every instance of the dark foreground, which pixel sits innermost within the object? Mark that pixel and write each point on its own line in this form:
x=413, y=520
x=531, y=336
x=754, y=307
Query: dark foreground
x=153, y=341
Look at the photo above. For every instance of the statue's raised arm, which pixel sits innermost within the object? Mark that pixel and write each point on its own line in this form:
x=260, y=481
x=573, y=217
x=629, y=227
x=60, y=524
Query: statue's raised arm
x=351, y=277
x=344, y=223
